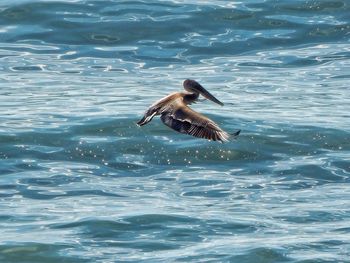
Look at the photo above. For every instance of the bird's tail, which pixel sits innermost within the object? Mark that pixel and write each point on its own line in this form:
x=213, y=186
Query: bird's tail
x=235, y=134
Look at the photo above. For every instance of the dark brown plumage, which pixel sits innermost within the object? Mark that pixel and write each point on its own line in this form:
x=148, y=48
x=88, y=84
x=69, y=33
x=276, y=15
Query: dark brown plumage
x=175, y=113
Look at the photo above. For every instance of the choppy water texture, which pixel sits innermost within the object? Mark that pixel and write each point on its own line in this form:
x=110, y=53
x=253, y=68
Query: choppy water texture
x=79, y=182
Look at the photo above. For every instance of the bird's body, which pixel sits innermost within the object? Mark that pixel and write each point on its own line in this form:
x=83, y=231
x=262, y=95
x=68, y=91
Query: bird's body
x=177, y=115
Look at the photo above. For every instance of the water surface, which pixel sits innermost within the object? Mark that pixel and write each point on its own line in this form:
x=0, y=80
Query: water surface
x=80, y=182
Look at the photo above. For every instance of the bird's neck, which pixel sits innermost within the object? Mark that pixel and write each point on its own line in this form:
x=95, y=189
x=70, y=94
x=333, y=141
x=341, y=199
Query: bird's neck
x=190, y=97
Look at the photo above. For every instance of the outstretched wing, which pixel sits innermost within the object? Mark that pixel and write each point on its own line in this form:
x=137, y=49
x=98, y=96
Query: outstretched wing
x=185, y=120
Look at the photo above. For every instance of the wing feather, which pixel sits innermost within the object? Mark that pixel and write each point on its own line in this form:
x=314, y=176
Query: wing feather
x=185, y=120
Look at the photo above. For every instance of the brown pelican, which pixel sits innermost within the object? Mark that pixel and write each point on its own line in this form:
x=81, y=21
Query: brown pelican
x=175, y=113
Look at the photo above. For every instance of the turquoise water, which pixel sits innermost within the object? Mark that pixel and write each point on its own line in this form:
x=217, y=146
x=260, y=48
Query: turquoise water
x=80, y=182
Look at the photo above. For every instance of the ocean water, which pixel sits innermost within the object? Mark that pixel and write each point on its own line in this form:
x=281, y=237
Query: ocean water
x=80, y=182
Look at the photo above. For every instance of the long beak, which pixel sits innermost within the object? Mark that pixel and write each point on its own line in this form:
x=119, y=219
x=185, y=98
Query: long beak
x=207, y=94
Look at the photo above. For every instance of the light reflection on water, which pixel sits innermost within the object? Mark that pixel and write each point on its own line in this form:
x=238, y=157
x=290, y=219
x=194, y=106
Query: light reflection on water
x=79, y=181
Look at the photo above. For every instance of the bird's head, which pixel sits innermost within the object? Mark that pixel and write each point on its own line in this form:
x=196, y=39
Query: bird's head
x=194, y=87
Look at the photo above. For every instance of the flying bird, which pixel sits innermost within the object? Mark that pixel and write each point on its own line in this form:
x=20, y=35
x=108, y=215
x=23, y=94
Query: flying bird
x=175, y=113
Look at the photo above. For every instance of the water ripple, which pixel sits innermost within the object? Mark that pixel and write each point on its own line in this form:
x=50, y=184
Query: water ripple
x=80, y=182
